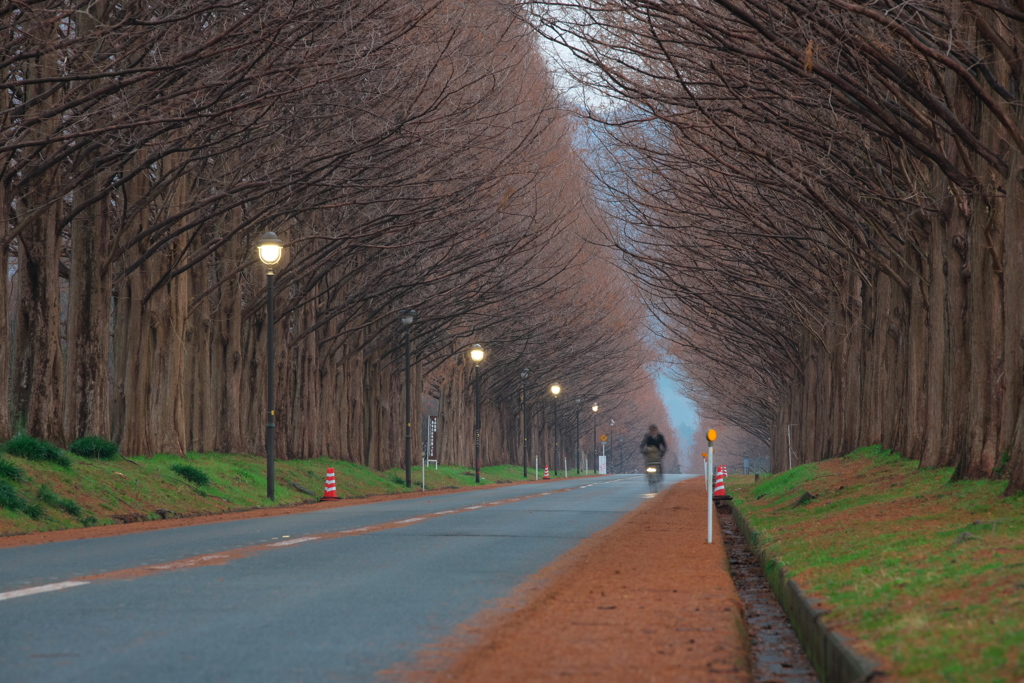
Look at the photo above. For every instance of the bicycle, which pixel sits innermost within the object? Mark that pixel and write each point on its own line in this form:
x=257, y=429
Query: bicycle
x=654, y=476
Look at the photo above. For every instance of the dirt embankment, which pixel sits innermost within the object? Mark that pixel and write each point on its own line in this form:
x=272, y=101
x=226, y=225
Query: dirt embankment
x=648, y=599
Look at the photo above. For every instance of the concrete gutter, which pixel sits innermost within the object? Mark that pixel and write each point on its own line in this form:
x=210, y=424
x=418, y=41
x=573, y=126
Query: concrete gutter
x=830, y=654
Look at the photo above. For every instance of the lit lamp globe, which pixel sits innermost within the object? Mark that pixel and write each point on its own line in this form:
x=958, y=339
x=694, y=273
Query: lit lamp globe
x=270, y=249
x=476, y=353
x=555, y=389
x=594, y=407
x=712, y=435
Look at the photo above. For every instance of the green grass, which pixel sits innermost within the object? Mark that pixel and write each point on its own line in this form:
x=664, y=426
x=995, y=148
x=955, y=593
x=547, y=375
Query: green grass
x=12, y=501
x=47, y=496
x=883, y=543
x=94, y=447
x=10, y=471
x=31, y=448
x=111, y=491
x=191, y=474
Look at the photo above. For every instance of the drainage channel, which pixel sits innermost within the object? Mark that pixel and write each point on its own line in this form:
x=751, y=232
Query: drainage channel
x=776, y=654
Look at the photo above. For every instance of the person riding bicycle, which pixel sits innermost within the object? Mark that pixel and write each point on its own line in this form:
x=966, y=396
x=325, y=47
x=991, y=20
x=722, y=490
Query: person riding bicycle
x=653, y=447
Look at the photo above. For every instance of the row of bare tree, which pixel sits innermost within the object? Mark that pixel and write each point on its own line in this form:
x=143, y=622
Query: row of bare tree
x=410, y=155
x=824, y=202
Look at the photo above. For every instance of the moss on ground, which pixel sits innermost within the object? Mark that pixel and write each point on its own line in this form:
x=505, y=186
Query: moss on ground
x=926, y=572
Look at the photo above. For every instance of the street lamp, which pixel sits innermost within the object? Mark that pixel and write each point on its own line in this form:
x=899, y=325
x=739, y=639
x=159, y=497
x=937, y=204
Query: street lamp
x=594, y=408
x=526, y=424
x=611, y=445
x=476, y=354
x=270, y=250
x=555, y=391
x=578, y=401
x=407, y=318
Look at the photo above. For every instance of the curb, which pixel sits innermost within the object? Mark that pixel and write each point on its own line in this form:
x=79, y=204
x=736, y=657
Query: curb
x=830, y=654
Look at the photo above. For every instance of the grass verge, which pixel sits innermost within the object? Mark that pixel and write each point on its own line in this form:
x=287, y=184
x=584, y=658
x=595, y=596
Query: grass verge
x=45, y=495
x=927, y=574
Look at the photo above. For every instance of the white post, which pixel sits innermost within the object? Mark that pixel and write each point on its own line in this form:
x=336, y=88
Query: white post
x=789, y=444
x=711, y=461
x=423, y=475
x=705, y=473
x=536, y=468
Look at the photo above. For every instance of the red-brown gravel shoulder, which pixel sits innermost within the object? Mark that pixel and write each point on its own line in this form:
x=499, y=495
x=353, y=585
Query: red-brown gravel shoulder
x=647, y=599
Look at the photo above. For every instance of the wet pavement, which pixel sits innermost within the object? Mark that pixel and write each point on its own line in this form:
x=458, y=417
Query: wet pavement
x=776, y=654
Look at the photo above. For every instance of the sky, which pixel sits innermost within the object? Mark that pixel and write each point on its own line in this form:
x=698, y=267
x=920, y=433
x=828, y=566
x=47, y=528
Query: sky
x=682, y=412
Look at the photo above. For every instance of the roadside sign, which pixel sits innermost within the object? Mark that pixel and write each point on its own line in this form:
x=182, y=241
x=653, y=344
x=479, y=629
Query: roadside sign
x=604, y=437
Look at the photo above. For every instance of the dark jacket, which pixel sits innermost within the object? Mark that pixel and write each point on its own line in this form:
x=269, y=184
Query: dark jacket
x=653, y=441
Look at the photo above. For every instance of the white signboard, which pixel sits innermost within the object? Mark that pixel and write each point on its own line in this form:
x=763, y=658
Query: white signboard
x=602, y=464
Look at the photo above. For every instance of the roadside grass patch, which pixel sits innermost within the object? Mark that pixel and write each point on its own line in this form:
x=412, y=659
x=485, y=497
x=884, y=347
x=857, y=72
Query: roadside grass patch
x=134, y=488
x=31, y=448
x=11, y=500
x=191, y=474
x=94, y=447
x=10, y=471
x=47, y=496
x=927, y=572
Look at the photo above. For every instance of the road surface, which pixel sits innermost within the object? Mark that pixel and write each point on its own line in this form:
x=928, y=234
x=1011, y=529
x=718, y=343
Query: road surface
x=339, y=593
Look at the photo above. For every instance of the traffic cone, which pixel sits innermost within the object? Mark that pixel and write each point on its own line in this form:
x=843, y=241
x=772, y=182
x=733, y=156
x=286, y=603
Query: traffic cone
x=719, y=492
x=546, y=475
x=329, y=491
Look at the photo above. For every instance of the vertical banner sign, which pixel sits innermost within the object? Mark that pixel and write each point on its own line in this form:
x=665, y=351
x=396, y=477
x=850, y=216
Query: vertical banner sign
x=602, y=465
x=431, y=438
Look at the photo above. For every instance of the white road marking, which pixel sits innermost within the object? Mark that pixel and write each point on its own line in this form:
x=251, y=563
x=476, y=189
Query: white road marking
x=181, y=564
x=410, y=520
x=9, y=595
x=294, y=541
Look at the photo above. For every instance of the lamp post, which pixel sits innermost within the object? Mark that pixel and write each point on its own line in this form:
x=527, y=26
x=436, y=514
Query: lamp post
x=594, y=409
x=578, y=401
x=555, y=391
x=407, y=319
x=476, y=354
x=526, y=423
x=611, y=445
x=270, y=250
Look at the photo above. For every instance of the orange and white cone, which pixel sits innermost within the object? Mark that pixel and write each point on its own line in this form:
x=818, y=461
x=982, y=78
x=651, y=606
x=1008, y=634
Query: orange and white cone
x=330, y=493
x=546, y=475
x=719, y=492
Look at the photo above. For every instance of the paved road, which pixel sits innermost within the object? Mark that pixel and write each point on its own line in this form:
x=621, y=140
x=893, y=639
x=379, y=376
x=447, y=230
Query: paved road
x=336, y=594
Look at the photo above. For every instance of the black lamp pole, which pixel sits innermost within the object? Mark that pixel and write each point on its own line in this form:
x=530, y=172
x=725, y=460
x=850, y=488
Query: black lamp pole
x=476, y=354
x=611, y=445
x=270, y=250
x=477, y=423
x=526, y=423
x=577, y=436
x=407, y=318
x=271, y=426
x=595, y=442
x=556, y=435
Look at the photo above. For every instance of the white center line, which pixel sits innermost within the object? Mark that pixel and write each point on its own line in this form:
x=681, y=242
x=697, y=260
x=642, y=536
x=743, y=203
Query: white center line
x=294, y=541
x=41, y=589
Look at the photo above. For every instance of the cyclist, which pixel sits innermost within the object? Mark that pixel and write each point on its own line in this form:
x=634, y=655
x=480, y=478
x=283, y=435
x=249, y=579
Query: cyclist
x=653, y=447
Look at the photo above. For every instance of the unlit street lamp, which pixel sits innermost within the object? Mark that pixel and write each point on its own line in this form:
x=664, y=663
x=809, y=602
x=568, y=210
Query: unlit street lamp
x=526, y=424
x=407, y=319
x=270, y=250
